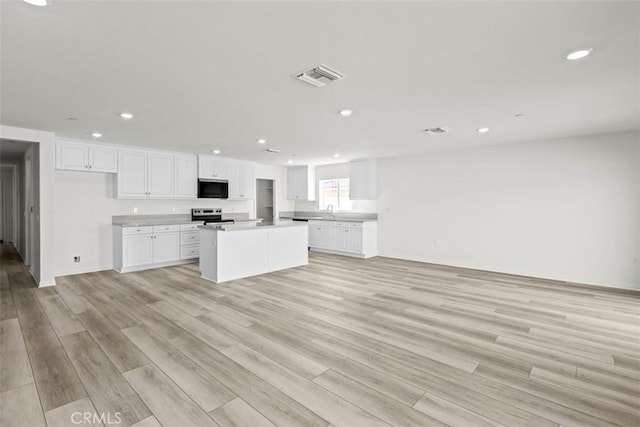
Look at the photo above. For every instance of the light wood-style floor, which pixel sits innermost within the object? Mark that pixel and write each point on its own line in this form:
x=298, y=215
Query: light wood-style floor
x=342, y=341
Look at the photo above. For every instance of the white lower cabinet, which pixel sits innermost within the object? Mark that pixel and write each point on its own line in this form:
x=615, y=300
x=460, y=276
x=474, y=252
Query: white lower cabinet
x=166, y=246
x=345, y=238
x=141, y=248
x=341, y=239
x=137, y=249
x=189, y=241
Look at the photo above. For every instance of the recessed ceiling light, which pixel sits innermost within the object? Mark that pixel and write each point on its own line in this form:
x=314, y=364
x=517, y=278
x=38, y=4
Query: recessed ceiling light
x=36, y=2
x=262, y=141
x=126, y=116
x=578, y=54
x=336, y=155
x=96, y=135
x=216, y=151
x=483, y=130
x=346, y=113
x=289, y=161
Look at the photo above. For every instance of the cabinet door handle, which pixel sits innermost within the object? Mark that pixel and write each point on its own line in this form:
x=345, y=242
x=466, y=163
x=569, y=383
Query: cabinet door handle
x=90, y=167
x=346, y=231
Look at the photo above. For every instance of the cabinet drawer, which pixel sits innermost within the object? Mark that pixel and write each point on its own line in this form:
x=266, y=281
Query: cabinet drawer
x=189, y=252
x=187, y=237
x=190, y=226
x=137, y=230
x=165, y=228
x=346, y=224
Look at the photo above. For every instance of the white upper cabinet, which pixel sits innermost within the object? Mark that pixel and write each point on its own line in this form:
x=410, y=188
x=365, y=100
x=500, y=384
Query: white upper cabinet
x=241, y=180
x=160, y=179
x=103, y=159
x=132, y=174
x=186, y=177
x=301, y=183
x=212, y=167
x=362, y=179
x=85, y=157
x=145, y=175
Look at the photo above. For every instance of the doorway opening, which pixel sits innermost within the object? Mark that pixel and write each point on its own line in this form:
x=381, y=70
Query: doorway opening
x=20, y=200
x=265, y=200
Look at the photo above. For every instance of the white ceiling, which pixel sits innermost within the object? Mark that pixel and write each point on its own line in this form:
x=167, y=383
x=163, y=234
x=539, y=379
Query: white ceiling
x=205, y=75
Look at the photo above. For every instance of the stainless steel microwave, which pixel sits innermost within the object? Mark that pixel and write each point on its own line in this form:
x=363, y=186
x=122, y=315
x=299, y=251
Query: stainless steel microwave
x=213, y=189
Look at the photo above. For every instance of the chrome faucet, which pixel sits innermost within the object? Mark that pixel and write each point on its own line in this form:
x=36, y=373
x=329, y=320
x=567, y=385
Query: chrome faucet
x=330, y=209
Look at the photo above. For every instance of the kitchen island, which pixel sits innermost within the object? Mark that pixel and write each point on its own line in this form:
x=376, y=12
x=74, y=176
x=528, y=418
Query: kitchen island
x=229, y=252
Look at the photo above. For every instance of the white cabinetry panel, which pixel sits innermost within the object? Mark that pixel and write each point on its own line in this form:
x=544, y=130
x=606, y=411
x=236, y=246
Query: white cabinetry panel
x=212, y=167
x=71, y=156
x=301, y=183
x=85, y=157
x=103, y=159
x=137, y=249
x=186, y=177
x=166, y=247
x=140, y=248
x=144, y=175
x=132, y=174
x=344, y=237
x=362, y=179
x=160, y=175
x=241, y=180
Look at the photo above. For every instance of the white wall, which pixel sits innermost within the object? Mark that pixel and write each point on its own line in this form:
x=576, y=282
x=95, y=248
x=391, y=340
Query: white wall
x=85, y=203
x=564, y=209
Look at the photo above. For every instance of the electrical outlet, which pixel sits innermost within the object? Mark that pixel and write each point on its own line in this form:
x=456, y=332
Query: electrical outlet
x=173, y=210
x=436, y=242
x=76, y=259
x=135, y=210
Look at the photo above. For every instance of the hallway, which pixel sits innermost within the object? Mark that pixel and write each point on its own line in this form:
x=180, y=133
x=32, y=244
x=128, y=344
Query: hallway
x=14, y=277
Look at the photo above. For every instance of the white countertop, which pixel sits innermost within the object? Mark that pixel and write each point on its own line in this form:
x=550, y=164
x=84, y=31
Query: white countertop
x=145, y=223
x=327, y=218
x=251, y=226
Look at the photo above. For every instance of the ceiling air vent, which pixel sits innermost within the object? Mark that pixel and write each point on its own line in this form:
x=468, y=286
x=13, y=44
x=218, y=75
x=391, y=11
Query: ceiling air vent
x=436, y=131
x=320, y=75
x=271, y=150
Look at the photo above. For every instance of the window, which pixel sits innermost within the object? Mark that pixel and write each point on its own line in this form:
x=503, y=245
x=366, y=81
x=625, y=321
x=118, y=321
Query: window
x=335, y=192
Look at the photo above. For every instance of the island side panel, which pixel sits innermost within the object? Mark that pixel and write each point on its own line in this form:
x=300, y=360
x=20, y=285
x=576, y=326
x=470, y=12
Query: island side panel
x=209, y=255
x=242, y=253
x=288, y=247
